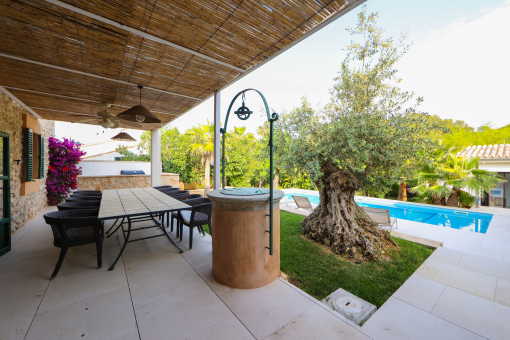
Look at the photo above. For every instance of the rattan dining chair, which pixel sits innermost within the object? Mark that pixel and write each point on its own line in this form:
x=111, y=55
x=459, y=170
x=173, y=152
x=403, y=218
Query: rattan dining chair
x=78, y=205
x=199, y=216
x=163, y=187
x=174, y=214
x=73, y=228
x=77, y=198
x=87, y=193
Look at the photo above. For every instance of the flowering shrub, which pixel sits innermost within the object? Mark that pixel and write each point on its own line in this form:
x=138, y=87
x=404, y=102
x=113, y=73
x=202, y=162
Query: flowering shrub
x=63, y=169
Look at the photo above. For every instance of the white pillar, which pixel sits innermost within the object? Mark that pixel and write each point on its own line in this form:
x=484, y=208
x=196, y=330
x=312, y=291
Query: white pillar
x=217, y=140
x=156, y=157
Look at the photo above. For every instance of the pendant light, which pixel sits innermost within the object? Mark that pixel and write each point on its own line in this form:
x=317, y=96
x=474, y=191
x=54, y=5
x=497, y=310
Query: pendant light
x=139, y=113
x=124, y=137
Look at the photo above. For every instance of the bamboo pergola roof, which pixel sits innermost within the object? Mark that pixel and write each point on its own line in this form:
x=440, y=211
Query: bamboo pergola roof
x=70, y=56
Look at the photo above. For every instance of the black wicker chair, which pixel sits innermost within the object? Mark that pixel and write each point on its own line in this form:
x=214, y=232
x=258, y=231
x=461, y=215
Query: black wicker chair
x=198, y=217
x=87, y=193
x=78, y=205
x=164, y=187
x=73, y=228
x=174, y=214
x=174, y=194
x=83, y=198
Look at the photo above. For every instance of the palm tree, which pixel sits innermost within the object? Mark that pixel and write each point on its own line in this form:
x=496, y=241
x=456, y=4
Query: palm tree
x=431, y=181
x=202, y=145
x=463, y=174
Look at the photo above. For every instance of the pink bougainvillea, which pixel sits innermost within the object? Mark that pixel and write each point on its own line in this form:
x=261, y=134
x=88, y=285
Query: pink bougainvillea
x=63, y=170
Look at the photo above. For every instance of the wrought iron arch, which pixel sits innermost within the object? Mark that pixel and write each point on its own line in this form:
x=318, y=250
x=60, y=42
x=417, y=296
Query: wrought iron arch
x=244, y=113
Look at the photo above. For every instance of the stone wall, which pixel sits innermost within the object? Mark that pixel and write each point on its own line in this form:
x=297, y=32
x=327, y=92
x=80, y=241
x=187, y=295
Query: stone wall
x=123, y=181
x=11, y=120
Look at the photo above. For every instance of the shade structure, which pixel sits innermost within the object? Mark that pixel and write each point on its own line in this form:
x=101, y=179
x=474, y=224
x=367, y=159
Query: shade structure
x=124, y=137
x=140, y=111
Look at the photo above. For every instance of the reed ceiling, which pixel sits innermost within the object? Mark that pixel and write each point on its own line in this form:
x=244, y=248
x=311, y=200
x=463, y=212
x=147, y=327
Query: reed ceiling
x=239, y=33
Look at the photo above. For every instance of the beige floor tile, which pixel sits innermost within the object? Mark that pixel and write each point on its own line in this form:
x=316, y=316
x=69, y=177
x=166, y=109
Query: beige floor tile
x=397, y=320
x=180, y=313
x=131, y=335
x=19, y=299
x=317, y=323
x=67, y=289
x=503, y=292
x=481, y=316
x=154, y=280
x=481, y=251
x=201, y=252
x=265, y=310
x=467, y=280
x=149, y=253
x=205, y=271
x=101, y=317
x=230, y=328
x=420, y=292
x=486, y=265
x=447, y=255
x=83, y=259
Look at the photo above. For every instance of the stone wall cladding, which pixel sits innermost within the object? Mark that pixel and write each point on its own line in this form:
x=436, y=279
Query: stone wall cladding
x=11, y=120
x=123, y=182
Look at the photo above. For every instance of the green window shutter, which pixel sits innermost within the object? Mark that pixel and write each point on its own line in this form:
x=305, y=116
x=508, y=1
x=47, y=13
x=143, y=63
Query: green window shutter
x=41, y=156
x=29, y=141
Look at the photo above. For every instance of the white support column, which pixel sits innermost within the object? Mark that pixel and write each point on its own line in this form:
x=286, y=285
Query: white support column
x=217, y=140
x=156, y=157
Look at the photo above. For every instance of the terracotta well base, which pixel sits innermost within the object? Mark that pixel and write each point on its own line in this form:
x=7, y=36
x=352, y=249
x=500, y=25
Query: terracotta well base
x=240, y=257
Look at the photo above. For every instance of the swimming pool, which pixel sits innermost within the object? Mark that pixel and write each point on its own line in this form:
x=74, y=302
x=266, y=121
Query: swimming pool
x=450, y=218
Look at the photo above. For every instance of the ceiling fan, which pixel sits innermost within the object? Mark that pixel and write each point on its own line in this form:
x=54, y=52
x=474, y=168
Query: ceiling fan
x=105, y=119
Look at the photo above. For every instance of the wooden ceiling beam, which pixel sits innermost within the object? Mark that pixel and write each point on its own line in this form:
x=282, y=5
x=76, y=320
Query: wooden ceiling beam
x=5, y=55
x=140, y=33
x=73, y=98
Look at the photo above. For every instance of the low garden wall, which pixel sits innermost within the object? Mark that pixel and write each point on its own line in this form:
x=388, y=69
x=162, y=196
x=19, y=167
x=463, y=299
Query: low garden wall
x=124, y=181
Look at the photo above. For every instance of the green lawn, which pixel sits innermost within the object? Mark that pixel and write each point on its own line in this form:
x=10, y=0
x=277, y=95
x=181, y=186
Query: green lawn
x=319, y=273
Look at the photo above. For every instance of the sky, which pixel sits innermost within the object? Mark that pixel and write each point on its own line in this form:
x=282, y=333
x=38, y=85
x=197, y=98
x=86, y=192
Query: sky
x=459, y=64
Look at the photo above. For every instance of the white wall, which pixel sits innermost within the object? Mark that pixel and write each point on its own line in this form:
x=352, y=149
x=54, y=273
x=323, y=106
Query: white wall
x=109, y=168
x=105, y=157
x=495, y=166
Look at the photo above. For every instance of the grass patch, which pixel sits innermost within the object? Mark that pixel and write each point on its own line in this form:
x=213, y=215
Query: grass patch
x=319, y=272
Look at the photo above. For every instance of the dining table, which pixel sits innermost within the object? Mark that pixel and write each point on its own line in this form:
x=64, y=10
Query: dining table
x=137, y=205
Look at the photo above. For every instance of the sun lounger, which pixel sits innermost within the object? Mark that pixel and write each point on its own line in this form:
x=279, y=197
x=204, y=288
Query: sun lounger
x=381, y=217
x=302, y=202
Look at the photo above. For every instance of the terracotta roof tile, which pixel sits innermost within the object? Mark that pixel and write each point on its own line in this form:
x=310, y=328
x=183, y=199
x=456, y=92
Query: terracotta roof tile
x=486, y=151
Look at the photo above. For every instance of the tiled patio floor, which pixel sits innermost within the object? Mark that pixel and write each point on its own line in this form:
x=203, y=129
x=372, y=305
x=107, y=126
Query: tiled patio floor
x=156, y=293
x=153, y=293
x=462, y=291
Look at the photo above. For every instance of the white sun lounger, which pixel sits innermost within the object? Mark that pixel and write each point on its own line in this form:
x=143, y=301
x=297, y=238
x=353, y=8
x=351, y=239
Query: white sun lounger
x=381, y=217
x=302, y=202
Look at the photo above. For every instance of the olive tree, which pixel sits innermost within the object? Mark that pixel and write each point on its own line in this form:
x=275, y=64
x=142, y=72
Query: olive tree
x=370, y=132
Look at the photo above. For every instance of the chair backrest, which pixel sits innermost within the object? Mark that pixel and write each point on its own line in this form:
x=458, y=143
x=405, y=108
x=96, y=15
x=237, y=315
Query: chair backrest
x=166, y=188
x=84, y=199
x=177, y=193
x=203, y=206
x=97, y=197
x=87, y=193
x=188, y=197
x=78, y=205
x=197, y=201
x=61, y=221
x=381, y=216
x=302, y=202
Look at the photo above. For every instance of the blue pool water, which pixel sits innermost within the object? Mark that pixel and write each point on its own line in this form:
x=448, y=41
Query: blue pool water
x=450, y=218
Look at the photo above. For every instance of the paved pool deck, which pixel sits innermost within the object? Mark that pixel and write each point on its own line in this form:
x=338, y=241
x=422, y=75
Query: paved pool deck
x=156, y=293
x=462, y=291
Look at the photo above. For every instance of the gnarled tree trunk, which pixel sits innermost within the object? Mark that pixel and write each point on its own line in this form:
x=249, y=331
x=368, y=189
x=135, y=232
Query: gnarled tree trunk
x=338, y=222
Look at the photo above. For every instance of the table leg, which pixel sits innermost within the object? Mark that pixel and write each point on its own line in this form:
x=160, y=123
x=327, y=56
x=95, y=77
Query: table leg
x=162, y=227
x=126, y=240
x=116, y=228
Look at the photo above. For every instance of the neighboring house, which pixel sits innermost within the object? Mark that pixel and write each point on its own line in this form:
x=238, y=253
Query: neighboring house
x=494, y=158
